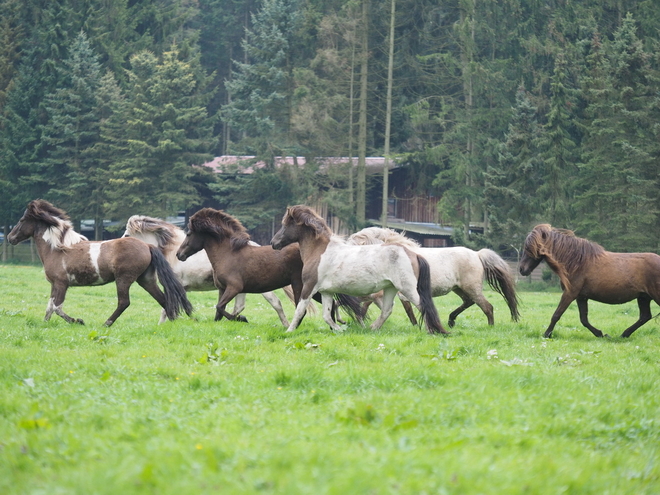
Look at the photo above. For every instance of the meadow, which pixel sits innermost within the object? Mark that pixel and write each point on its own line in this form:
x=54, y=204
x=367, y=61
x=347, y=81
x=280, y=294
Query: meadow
x=197, y=406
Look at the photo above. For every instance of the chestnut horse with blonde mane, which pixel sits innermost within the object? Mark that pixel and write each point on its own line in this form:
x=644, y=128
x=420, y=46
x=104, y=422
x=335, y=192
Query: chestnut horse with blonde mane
x=587, y=271
x=69, y=259
x=331, y=265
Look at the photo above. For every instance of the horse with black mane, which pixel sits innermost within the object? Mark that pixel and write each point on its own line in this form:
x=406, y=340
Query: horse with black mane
x=196, y=273
x=241, y=267
x=331, y=265
x=69, y=259
x=587, y=271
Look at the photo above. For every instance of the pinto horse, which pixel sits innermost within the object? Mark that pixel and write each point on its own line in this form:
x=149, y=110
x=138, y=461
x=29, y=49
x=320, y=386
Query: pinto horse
x=196, y=273
x=330, y=265
x=456, y=269
x=586, y=271
x=239, y=266
x=69, y=259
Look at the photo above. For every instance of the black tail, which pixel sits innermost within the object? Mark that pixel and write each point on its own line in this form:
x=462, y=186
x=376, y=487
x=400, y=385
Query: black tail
x=428, y=309
x=353, y=306
x=499, y=278
x=175, y=295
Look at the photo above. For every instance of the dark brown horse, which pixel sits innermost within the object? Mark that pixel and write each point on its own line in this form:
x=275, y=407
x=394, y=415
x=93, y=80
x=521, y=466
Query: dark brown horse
x=241, y=267
x=586, y=271
x=69, y=259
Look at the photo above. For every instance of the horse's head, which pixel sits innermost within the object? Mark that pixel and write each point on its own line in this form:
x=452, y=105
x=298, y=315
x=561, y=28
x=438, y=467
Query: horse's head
x=534, y=249
x=298, y=222
x=212, y=225
x=41, y=216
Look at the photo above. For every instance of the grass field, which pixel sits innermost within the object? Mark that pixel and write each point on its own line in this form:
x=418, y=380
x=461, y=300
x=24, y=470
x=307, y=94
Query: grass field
x=195, y=406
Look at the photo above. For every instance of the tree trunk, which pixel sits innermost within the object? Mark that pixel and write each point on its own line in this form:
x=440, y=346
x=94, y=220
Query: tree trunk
x=361, y=179
x=388, y=117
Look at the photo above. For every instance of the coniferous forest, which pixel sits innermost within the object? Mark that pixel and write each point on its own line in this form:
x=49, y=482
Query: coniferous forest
x=513, y=112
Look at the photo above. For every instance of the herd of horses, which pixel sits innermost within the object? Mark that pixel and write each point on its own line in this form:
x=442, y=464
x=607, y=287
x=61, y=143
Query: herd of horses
x=309, y=262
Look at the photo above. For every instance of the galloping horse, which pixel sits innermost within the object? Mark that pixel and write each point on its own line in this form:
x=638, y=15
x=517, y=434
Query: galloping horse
x=330, y=265
x=456, y=269
x=586, y=271
x=69, y=259
x=196, y=273
x=240, y=267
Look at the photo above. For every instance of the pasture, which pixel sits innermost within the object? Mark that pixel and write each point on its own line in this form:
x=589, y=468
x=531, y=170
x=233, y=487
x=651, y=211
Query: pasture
x=197, y=406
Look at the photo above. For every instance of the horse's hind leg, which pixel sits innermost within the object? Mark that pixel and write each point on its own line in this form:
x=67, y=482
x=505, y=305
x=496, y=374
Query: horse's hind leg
x=644, y=304
x=277, y=306
x=124, y=300
x=582, y=304
x=408, y=308
x=469, y=299
x=148, y=282
x=57, y=294
x=386, y=308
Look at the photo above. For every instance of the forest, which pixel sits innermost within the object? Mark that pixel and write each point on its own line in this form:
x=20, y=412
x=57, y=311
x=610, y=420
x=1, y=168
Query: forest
x=513, y=112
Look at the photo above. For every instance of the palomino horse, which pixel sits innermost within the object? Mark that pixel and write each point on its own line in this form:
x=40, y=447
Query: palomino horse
x=586, y=271
x=196, y=273
x=69, y=259
x=456, y=269
x=239, y=266
x=330, y=265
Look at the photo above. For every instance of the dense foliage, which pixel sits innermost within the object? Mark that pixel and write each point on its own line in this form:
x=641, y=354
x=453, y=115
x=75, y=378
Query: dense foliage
x=514, y=112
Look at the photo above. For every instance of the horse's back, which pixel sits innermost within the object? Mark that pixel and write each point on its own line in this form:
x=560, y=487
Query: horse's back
x=452, y=267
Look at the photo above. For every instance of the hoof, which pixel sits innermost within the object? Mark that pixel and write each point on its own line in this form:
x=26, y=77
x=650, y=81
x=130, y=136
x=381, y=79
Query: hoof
x=242, y=319
x=451, y=323
x=80, y=322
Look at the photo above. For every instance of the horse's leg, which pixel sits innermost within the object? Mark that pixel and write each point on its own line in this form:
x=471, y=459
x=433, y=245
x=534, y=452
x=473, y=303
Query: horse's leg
x=277, y=306
x=329, y=311
x=386, y=309
x=57, y=294
x=468, y=301
x=564, y=303
x=227, y=295
x=239, y=304
x=124, y=299
x=644, y=304
x=408, y=308
x=583, y=306
x=301, y=309
x=148, y=282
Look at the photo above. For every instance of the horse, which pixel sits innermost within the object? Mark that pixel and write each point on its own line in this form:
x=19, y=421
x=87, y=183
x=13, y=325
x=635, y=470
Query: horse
x=331, y=265
x=69, y=259
x=196, y=273
x=239, y=266
x=587, y=271
x=456, y=269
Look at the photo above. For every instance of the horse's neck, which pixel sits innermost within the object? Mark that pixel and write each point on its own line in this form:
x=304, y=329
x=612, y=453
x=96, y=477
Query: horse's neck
x=312, y=247
x=45, y=250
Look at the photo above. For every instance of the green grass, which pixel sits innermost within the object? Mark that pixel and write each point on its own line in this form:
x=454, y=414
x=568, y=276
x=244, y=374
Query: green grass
x=195, y=406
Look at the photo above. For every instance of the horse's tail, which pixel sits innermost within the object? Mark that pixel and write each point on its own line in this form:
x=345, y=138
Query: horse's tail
x=352, y=305
x=498, y=276
x=428, y=309
x=175, y=295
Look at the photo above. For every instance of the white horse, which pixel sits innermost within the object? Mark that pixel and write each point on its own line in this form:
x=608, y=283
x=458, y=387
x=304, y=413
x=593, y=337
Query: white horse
x=331, y=266
x=196, y=273
x=456, y=269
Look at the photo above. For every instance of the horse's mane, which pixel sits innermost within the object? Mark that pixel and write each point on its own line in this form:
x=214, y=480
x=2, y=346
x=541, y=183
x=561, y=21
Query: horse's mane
x=165, y=232
x=220, y=224
x=304, y=215
x=562, y=250
x=379, y=235
x=59, y=234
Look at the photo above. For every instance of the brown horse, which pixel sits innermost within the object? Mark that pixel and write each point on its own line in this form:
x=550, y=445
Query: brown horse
x=331, y=265
x=586, y=271
x=69, y=259
x=239, y=266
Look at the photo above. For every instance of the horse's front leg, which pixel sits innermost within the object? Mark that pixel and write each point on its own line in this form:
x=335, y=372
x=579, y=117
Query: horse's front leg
x=225, y=297
x=564, y=303
x=582, y=303
x=57, y=294
x=387, y=304
x=644, y=305
x=329, y=309
x=301, y=310
x=277, y=306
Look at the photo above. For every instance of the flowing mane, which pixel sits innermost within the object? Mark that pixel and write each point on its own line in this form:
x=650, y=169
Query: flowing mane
x=378, y=235
x=304, y=215
x=164, y=232
x=221, y=225
x=60, y=234
x=562, y=250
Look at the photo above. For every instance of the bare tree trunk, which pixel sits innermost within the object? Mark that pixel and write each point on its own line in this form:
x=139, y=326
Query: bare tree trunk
x=361, y=180
x=388, y=117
